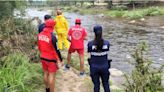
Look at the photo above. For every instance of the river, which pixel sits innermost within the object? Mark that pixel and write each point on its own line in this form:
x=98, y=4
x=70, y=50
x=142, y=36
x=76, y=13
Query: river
x=123, y=36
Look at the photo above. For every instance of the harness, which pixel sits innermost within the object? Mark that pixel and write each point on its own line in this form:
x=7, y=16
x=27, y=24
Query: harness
x=48, y=60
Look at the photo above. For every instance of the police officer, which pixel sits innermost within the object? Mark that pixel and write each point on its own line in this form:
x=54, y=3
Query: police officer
x=98, y=49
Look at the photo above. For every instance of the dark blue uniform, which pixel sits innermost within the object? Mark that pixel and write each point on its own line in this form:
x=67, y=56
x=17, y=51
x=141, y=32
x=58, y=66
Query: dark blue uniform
x=99, y=66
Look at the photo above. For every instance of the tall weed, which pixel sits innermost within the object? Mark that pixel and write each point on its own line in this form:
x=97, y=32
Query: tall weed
x=17, y=74
x=144, y=77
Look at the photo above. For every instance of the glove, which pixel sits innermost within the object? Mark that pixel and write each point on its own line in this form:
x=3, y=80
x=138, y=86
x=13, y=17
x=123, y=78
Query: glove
x=109, y=62
x=89, y=61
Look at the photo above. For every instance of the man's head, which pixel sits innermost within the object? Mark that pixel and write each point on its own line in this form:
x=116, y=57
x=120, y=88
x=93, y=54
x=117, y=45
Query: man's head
x=46, y=17
x=59, y=12
x=78, y=21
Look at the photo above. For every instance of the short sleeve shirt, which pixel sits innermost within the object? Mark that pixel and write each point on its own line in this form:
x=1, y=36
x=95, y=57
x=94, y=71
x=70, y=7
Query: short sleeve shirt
x=77, y=34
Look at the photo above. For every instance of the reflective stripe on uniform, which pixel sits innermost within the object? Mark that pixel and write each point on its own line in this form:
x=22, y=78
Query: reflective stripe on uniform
x=99, y=53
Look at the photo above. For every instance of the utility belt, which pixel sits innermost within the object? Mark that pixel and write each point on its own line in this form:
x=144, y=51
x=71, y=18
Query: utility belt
x=49, y=60
x=109, y=62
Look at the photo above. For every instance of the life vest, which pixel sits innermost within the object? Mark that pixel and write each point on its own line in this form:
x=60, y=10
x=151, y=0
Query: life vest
x=45, y=44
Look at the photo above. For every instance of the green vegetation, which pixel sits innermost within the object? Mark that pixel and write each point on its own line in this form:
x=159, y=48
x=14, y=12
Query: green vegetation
x=137, y=13
x=120, y=11
x=17, y=35
x=144, y=78
x=17, y=51
x=17, y=74
x=17, y=38
x=7, y=7
x=140, y=13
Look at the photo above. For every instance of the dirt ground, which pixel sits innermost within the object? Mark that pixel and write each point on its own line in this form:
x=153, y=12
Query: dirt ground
x=70, y=81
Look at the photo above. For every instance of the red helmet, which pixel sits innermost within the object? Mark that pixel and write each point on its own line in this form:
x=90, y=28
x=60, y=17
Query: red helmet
x=78, y=20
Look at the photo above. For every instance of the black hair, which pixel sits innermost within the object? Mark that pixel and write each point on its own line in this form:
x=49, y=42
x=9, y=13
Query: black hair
x=78, y=23
x=98, y=41
x=46, y=17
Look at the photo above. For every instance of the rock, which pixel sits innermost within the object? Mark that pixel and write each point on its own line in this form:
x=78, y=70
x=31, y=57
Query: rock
x=142, y=19
x=161, y=59
x=49, y=12
x=162, y=27
x=128, y=56
x=101, y=15
x=115, y=72
x=133, y=21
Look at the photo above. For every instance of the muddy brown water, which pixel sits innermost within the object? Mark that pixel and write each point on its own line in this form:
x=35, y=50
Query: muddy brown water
x=123, y=36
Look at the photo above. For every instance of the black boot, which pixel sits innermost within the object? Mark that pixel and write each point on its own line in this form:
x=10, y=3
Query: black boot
x=47, y=89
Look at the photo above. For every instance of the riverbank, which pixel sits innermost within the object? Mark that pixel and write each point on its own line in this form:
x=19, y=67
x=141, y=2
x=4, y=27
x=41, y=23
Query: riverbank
x=121, y=12
x=18, y=54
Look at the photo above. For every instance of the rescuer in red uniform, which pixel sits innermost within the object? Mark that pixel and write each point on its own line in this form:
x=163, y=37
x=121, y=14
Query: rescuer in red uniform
x=49, y=54
x=76, y=35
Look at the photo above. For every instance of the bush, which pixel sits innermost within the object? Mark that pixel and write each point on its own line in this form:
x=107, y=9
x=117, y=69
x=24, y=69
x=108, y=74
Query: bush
x=133, y=15
x=17, y=34
x=7, y=7
x=116, y=13
x=119, y=7
x=17, y=74
x=14, y=72
x=152, y=11
x=144, y=78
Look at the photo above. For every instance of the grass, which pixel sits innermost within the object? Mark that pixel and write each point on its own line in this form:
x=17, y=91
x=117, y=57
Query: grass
x=17, y=74
x=137, y=13
x=140, y=13
x=123, y=13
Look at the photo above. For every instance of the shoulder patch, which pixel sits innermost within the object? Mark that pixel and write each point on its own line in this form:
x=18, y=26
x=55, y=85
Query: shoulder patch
x=105, y=47
x=93, y=47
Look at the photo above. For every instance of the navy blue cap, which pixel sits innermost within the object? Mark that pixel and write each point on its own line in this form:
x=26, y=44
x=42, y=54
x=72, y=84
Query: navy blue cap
x=97, y=29
x=47, y=17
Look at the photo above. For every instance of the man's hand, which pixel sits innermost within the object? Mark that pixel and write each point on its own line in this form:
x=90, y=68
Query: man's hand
x=60, y=64
x=69, y=38
x=86, y=38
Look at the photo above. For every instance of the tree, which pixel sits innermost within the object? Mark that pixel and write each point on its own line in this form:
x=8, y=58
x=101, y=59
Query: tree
x=110, y=3
x=7, y=7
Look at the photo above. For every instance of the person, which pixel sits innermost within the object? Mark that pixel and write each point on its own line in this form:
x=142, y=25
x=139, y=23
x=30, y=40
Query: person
x=99, y=65
x=41, y=26
x=61, y=28
x=49, y=54
x=76, y=35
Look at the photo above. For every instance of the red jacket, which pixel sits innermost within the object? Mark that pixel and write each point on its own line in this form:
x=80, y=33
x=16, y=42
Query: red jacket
x=47, y=42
